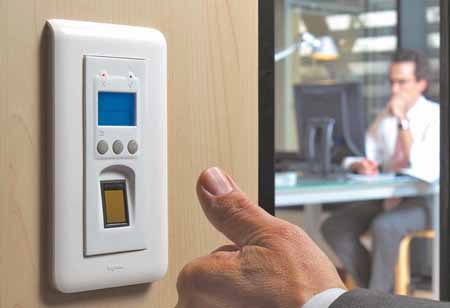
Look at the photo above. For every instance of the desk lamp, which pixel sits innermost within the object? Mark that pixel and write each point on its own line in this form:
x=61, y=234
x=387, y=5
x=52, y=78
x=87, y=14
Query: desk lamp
x=324, y=48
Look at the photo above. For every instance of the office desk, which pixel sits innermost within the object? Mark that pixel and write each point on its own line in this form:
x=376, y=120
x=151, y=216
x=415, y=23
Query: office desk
x=313, y=193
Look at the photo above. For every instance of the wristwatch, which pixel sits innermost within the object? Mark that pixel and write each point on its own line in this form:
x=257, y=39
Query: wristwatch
x=403, y=124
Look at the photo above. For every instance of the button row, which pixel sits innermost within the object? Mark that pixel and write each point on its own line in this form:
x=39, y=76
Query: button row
x=102, y=147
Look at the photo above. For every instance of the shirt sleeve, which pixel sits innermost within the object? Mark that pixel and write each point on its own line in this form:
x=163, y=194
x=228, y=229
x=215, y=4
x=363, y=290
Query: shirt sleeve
x=373, y=148
x=372, y=152
x=324, y=299
x=424, y=155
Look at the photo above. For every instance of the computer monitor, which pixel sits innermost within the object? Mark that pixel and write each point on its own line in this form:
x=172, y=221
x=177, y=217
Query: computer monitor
x=341, y=101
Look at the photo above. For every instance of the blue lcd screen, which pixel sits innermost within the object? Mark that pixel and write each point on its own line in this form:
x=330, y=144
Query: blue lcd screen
x=116, y=109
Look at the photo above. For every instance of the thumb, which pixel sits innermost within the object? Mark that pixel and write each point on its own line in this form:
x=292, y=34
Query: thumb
x=230, y=210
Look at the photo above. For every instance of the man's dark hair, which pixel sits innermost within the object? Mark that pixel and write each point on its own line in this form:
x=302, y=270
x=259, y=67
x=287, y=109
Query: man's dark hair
x=409, y=55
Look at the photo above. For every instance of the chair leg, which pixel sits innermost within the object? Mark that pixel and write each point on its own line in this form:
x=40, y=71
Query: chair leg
x=349, y=283
x=403, y=275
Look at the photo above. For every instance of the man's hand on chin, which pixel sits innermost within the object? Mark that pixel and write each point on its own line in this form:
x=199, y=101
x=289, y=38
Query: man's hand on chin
x=399, y=104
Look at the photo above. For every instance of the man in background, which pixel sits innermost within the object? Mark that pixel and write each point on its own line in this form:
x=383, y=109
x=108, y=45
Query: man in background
x=403, y=138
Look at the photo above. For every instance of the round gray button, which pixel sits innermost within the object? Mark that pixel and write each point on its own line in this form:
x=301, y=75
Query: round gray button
x=132, y=146
x=117, y=147
x=102, y=147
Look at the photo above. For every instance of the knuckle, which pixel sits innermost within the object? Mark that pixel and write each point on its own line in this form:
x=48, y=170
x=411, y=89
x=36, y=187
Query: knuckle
x=191, y=276
x=183, y=278
x=288, y=232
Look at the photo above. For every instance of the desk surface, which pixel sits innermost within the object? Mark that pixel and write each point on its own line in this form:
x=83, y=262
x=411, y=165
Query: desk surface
x=347, y=189
x=315, y=192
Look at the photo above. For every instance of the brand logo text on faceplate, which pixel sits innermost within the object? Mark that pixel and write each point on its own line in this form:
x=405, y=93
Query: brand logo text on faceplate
x=114, y=268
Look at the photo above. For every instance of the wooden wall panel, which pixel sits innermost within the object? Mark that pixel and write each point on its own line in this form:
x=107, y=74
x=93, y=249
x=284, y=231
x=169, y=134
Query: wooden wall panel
x=212, y=110
x=3, y=165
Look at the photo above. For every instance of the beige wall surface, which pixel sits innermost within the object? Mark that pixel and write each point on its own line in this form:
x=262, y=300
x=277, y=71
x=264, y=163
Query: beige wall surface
x=212, y=110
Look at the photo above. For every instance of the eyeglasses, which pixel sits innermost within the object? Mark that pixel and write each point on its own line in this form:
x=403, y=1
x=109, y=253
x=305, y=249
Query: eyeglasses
x=401, y=82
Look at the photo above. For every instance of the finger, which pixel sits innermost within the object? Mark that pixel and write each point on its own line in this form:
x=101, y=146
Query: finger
x=204, y=273
x=374, y=164
x=402, y=97
x=365, y=166
x=227, y=248
x=230, y=210
x=371, y=163
x=366, y=169
x=370, y=166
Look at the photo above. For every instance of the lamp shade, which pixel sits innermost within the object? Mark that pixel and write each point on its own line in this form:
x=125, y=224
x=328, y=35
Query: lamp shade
x=326, y=49
x=323, y=48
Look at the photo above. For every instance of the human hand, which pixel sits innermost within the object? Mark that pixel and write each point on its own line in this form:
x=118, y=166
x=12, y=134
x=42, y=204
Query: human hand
x=399, y=104
x=271, y=263
x=365, y=166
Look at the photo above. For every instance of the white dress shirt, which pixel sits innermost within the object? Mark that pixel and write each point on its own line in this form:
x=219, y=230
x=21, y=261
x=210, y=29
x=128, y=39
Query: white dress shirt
x=324, y=299
x=381, y=139
x=424, y=159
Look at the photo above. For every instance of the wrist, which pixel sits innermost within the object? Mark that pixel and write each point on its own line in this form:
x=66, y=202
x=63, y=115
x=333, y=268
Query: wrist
x=403, y=124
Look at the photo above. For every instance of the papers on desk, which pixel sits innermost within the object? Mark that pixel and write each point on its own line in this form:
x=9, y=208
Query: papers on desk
x=294, y=178
x=371, y=178
x=285, y=179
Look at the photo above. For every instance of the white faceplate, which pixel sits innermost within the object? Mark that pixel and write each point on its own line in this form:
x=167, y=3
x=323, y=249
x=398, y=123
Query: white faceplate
x=114, y=75
x=88, y=58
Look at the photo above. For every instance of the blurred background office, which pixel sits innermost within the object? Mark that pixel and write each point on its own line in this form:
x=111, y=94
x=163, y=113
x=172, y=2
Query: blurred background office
x=331, y=81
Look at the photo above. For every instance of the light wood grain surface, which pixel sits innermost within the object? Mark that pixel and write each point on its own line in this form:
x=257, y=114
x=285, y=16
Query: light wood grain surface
x=212, y=110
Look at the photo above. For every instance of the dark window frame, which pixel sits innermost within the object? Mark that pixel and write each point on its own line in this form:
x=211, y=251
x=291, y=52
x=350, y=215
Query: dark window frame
x=266, y=126
x=445, y=152
x=266, y=183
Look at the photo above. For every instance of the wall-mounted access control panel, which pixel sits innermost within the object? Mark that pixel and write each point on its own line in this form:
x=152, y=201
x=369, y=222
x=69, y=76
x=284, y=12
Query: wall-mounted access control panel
x=109, y=155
